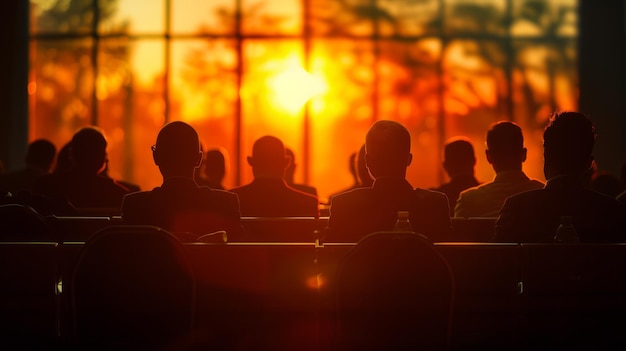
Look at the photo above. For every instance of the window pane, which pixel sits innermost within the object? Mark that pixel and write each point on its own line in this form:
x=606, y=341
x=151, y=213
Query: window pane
x=545, y=79
x=400, y=17
x=341, y=114
x=193, y=16
x=271, y=17
x=475, y=92
x=274, y=92
x=63, y=16
x=204, y=92
x=130, y=106
x=540, y=18
x=60, y=89
x=482, y=17
x=343, y=17
x=132, y=17
x=409, y=89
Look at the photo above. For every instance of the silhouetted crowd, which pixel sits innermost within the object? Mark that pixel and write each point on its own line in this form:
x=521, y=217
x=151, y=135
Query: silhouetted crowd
x=192, y=199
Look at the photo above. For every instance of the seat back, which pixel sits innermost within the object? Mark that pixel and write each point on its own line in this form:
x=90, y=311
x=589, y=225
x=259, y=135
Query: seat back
x=280, y=229
x=28, y=298
x=22, y=223
x=394, y=291
x=133, y=287
x=574, y=295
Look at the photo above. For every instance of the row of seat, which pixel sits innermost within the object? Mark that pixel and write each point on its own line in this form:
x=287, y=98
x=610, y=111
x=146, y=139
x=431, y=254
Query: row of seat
x=284, y=295
x=21, y=223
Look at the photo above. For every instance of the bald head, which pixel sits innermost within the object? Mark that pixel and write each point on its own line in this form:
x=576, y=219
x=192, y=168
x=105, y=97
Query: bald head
x=177, y=149
x=268, y=157
x=387, y=149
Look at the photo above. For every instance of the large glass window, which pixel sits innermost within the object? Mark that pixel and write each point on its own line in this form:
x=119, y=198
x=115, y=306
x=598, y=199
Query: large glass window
x=315, y=73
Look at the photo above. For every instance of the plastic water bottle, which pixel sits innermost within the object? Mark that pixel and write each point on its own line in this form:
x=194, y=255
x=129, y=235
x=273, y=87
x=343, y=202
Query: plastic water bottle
x=566, y=233
x=402, y=222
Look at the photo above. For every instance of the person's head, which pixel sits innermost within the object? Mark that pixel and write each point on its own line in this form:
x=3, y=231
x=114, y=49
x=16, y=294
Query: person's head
x=387, y=149
x=365, y=178
x=214, y=165
x=88, y=150
x=505, y=146
x=64, y=159
x=459, y=158
x=40, y=154
x=291, y=169
x=268, y=157
x=177, y=150
x=568, y=144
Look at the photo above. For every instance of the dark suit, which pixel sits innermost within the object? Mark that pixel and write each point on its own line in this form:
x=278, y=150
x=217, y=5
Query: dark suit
x=453, y=188
x=82, y=190
x=534, y=216
x=358, y=212
x=180, y=205
x=272, y=197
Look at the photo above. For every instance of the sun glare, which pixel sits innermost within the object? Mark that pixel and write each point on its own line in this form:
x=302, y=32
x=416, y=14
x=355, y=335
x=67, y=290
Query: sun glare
x=293, y=86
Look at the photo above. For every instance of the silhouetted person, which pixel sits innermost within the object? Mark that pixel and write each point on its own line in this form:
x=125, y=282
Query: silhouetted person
x=269, y=195
x=213, y=169
x=289, y=175
x=361, y=211
x=606, y=183
x=459, y=161
x=359, y=171
x=39, y=159
x=128, y=185
x=64, y=159
x=82, y=185
x=506, y=153
x=179, y=204
x=534, y=216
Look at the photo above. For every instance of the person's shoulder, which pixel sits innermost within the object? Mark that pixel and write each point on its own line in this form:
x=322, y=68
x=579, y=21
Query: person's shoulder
x=427, y=194
x=139, y=196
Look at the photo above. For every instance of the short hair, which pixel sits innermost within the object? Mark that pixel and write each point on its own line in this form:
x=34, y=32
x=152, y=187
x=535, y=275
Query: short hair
x=88, y=145
x=269, y=151
x=505, y=140
x=388, y=138
x=178, y=144
x=41, y=154
x=568, y=142
x=459, y=149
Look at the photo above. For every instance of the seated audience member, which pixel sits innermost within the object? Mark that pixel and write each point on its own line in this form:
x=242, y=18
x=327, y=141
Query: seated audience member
x=179, y=205
x=269, y=195
x=64, y=160
x=128, y=185
x=290, y=172
x=358, y=212
x=459, y=161
x=39, y=159
x=535, y=215
x=212, y=171
x=359, y=171
x=82, y=185
x=606, y=183
x=506, y=153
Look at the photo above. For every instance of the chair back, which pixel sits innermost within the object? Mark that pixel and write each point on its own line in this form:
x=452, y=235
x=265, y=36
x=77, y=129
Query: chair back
x=28, y=298
x=23, y=223
x=133, y=287
x=394, y=291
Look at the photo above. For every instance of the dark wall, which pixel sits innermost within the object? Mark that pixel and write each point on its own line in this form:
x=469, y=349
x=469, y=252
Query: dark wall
x=13, y=82
x=602, y=61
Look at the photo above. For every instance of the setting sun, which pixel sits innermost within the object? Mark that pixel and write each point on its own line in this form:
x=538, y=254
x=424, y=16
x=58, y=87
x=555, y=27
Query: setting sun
x=292, y=87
